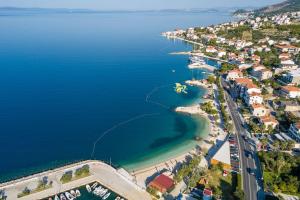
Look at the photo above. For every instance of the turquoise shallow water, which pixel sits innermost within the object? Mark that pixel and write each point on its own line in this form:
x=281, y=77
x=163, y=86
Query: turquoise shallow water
x=66, y=79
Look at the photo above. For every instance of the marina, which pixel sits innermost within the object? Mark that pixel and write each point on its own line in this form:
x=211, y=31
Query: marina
x=103, y=181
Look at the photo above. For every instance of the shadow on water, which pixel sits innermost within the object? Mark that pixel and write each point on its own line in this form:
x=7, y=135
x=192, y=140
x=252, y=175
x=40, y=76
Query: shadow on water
x=180, y=127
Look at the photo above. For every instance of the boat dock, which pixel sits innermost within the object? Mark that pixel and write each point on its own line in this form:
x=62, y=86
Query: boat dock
x=117, y=180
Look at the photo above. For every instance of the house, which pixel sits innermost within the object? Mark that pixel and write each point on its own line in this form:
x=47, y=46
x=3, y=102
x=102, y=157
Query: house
x=243, y=87
x=222, y=157
x=221, y=53
x=290, y=91
x=284, y=56
x=234, y=74
x=211, y=49
x=258, y=110
x=286, y=65
x=294, y=131
x=255, y=58
x=244, y=66
x=293, y=77
x=162, y=183
x=290, y=106
x=253, y=98
x=287, y=48
x=261, y=72
x=268, y=121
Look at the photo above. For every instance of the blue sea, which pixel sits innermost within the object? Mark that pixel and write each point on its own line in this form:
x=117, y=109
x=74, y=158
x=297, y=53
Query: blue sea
x=78, y=86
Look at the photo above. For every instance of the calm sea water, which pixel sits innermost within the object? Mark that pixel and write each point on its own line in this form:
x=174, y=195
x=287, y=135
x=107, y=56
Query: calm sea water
x=67, y=79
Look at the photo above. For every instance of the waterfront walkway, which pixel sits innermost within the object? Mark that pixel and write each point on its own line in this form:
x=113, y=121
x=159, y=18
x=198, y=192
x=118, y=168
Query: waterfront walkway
x=116, y=180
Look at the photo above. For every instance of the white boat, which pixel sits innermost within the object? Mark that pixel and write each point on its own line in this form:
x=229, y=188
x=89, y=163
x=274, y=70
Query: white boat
x=103, y=192
x=94, y=185
x=78, y=194
x=117, y=198
x=88, y=188
x=62, y=197
x=56, y=197
x=73, y=193
x=106, y=196
x=69, y=196
x=98, y=190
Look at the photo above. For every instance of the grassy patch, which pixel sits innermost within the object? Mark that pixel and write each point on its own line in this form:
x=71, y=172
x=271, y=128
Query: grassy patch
x=40, y=189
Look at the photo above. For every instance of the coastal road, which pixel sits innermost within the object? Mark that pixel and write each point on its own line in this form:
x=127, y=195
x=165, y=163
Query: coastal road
x=252, y=187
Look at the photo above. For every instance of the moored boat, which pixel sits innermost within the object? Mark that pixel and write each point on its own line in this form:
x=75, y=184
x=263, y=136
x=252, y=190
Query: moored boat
x=73, y=193
x=88, y=188
x=94, y=185
x=69, y=196
x=106, y=196
x=62, y=197
x=78, y=194
x=56, y=197
x=104, y=191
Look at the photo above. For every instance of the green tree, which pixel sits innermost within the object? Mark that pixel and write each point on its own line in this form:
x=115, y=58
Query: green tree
x=239, y=194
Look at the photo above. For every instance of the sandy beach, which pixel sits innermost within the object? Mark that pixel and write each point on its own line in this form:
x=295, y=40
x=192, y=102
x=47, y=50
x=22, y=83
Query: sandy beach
x=142, y=176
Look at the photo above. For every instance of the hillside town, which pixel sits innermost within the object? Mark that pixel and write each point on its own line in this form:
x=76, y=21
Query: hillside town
x=259, y=72
x=252, y=106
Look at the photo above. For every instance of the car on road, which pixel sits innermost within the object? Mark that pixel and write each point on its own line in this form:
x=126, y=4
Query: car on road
x=251, y=171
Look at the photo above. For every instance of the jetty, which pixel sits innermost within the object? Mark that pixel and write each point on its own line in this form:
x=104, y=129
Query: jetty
x=193, y=110
x=199, y=83
x=117, y=180
x=201, y=66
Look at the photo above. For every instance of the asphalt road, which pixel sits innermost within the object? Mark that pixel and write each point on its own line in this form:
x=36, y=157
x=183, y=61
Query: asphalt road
x=253, y=188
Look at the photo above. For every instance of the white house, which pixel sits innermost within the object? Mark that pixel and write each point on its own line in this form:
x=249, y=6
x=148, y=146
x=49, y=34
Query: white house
x=290, y=91
x=258, y=110
x=294, y=131
x=234, y=74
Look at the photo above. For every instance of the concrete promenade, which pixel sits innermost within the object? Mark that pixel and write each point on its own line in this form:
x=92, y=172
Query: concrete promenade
x=116, y=180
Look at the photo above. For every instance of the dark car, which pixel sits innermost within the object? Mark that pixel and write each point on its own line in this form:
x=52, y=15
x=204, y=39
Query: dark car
x=251, y=171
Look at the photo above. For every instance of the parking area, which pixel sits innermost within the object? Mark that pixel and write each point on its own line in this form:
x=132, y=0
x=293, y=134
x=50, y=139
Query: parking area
x=234, y=153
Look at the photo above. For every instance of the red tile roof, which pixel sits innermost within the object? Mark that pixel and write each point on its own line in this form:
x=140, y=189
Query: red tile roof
x=291, y=88
x=162, y=181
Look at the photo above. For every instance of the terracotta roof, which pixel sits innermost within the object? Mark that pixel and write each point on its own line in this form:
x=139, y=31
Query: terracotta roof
x=243, y=80
x=267, y=119
x=291, y=88
x=284, y=55
x=251, y=85
x=256, y=105
x=285, y=46
x=254, y=94
x=163, y=181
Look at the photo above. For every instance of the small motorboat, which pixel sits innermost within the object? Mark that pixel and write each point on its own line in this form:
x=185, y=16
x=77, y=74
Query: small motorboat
x=73, y=193
x=56, y=197
x=88, y=188
x=94, y=185
x=106, y=196
x=69, y=196
x=117, y=198
x=103, y=192
x=78, y=194
x=62, y=197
